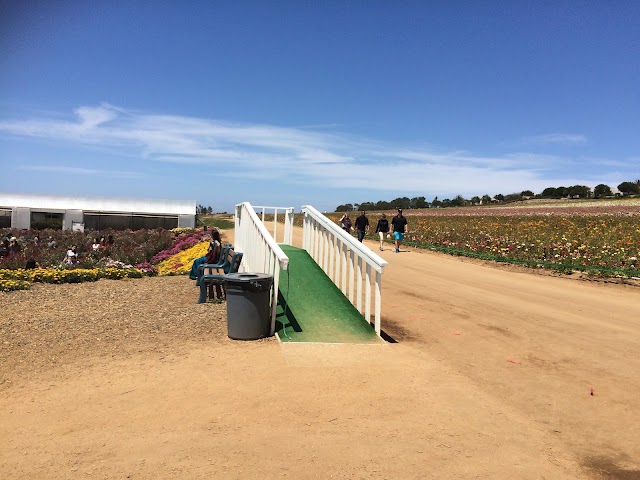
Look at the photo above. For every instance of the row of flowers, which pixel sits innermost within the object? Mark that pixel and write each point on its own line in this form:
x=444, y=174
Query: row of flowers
x=180, y=263
x=608, y=245
x=21, y=279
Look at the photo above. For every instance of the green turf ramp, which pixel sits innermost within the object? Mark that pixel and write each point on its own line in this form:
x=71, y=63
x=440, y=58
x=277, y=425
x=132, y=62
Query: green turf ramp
x=312, y=309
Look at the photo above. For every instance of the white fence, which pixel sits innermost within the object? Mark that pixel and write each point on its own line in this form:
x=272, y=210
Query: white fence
x=260, y=248
x=347, y=262
x=287, y=235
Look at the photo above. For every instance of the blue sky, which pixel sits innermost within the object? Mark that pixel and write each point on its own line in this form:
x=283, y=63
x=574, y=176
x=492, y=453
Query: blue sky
x=286, y=103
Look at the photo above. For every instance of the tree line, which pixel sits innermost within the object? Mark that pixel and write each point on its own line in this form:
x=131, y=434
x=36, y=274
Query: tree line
x=575, y=191
x=202, y=210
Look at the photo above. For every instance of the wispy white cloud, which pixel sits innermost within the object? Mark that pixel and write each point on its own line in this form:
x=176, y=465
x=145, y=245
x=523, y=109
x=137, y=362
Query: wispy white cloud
x=316, y=158
x=570, y=139
x=62, y=169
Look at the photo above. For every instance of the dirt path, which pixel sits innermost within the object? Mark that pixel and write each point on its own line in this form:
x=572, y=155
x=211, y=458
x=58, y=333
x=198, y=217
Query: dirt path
x=491, y=378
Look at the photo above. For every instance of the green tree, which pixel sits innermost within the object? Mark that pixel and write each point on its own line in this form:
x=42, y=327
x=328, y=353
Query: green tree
x=512, y=197
x=435, y=203
x=549, y=192
x=383, y=205
x=344, y=208
x=475, y=200
x=499, y=197
x=419, y=202
x=458, y=201
x=486, y=199
x=527, y=193
x=580, y=191
x=401, y=202
x=629, y=188
x=602, y=190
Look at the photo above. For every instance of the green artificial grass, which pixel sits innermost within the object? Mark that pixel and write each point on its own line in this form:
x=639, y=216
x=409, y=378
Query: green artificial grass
x=312, y=309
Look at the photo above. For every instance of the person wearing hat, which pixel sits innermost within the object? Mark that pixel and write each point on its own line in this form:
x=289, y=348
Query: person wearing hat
x=399, y=224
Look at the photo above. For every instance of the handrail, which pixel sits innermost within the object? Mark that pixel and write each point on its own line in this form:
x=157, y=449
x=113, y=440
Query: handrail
x=288, y=221
x=342, y=257
x=362, y=249
x=262, y=254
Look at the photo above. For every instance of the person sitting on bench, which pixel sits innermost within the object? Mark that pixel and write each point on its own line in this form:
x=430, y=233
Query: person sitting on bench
x=212, y=255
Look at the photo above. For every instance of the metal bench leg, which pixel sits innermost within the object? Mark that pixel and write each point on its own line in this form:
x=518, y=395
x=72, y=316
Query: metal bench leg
x=203, y=293
x=221, y=291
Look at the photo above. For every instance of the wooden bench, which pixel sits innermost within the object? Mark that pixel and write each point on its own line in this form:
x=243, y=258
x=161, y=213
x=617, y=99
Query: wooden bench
x=210, y=275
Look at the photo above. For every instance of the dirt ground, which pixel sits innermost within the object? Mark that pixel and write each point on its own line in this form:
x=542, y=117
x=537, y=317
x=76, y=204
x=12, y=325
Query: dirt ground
x=496, y=373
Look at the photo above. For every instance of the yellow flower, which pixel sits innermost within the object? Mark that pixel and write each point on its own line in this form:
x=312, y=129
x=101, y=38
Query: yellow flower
x=180, y=263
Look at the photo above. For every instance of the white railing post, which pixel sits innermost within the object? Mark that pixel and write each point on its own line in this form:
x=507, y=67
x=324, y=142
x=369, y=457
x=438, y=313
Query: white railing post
x=378, y=302
x=331, y=259
x=367, y=293
x=359, y=285
x=351, y=270
x=343, y=261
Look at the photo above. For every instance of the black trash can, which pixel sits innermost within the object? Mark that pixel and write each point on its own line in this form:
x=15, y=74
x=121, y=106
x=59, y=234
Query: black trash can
x=248, y=310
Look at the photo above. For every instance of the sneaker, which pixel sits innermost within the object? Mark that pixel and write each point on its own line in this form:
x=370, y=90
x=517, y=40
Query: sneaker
x=397, y=250
x=381, y=249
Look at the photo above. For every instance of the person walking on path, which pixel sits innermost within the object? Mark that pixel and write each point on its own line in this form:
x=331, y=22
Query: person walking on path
x=382, y=229
x=399, y=223
x=345, y=223
x=362, y=226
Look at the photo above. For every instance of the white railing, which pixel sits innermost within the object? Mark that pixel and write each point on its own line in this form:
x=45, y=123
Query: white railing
x=261, y=252
x=347, y=262
x=287, y=237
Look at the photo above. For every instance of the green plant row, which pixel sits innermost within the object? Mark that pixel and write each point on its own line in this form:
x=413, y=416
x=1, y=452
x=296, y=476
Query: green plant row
x=21, y=279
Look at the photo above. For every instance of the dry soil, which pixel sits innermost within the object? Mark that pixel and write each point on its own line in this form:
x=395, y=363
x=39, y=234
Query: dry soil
x=495, y=373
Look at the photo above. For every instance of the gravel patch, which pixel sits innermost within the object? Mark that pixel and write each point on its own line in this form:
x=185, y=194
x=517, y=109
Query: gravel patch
x=52, y=326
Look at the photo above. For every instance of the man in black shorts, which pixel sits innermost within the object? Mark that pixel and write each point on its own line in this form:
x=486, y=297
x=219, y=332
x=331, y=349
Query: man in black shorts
x=399, y=223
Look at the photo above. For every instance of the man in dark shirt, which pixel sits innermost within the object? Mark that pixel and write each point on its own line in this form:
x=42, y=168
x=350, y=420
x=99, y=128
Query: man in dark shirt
x=399, y=223
x=362, y=225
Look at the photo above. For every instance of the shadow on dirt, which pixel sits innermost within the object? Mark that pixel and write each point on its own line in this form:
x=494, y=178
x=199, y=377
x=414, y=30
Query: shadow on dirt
x=394, y=332
x=608, y=469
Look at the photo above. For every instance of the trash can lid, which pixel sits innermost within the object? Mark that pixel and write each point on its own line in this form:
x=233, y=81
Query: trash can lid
x=247, y=277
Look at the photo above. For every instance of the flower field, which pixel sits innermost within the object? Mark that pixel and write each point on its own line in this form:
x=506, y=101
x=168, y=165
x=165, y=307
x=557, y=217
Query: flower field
x=132, y=254
x=595, y=238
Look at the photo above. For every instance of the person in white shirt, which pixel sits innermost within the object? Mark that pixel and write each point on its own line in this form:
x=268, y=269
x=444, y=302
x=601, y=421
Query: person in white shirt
x=72, y=256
